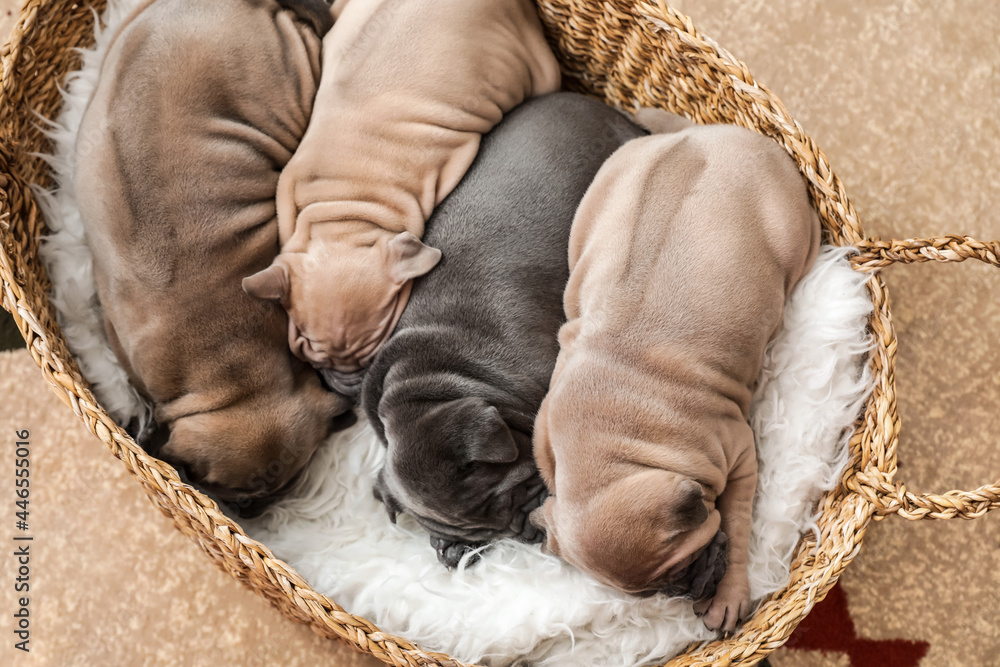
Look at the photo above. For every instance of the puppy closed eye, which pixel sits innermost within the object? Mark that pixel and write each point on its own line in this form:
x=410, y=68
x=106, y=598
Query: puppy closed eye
x=243, y=491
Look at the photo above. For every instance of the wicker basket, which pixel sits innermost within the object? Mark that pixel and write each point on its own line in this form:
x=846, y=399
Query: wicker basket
x=627, y=53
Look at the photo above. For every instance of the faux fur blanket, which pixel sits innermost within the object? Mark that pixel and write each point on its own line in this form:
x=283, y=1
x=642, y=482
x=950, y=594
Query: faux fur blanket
x=517, y=606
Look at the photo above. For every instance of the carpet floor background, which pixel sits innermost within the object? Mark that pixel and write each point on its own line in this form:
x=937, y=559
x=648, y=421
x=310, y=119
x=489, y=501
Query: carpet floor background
x=902, y=95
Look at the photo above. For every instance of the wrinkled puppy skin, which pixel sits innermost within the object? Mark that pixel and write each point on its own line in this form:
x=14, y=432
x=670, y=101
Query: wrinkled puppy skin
x=454, y=392
x=178, y=158
x=682, y=255
x=408, y=89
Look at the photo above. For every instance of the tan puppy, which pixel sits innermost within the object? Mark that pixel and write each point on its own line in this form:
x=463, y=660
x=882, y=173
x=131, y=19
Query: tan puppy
x=178, y=157
x=681, y=256
x=408, y=88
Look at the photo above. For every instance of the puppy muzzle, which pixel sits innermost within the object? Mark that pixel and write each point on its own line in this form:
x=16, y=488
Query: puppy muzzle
x=503, y=515
x=251, y=506
x=700, y=579
x=452, y=542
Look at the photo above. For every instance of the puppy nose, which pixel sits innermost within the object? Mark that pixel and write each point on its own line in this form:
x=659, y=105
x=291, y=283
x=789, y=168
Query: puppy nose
x=450, y=552
x=248, y=507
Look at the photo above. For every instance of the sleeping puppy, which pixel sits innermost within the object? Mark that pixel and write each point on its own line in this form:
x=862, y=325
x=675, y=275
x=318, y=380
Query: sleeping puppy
x=454, y=392
x=408, y=89
x=682, y=255
x=178, y=158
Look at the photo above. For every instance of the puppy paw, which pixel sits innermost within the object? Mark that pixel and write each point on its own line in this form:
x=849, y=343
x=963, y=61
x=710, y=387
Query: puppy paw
x=521, y=526
x=727, y=609
x=450, y=553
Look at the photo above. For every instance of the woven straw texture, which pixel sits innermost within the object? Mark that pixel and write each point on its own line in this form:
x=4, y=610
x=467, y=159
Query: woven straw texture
x=627, y=53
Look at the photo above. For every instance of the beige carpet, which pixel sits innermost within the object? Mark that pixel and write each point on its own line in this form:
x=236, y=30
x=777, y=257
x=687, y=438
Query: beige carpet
x=112, y=582
x=903, y=97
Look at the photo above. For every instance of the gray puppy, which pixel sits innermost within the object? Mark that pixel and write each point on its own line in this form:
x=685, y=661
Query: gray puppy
x=455, y=391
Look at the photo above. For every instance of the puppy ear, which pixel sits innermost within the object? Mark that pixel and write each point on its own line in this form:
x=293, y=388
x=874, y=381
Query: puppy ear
x=541, y=518
x=410, y=258
x=691, y=509
x=491, y=440
x=271, y=283
x=657, y=121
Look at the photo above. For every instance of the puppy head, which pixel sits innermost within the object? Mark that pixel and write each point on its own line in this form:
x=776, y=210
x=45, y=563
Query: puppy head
x=344, y=298
x=649, y=532
x=251, y=451
x=459, y=470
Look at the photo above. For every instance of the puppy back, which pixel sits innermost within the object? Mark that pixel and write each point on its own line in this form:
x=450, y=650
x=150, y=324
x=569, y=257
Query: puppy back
x=493, y=306
x=178, y=157
x=702, y=231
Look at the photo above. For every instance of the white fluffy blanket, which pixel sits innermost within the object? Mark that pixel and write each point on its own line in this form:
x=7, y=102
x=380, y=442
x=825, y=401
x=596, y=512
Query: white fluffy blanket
x=517, y=606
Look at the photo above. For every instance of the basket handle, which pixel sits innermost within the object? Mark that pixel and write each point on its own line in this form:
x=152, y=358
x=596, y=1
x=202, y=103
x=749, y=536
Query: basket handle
x=894, y=498
x=876, y=254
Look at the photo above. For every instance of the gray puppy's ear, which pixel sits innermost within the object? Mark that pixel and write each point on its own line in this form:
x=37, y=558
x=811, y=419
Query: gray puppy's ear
x=409, y=258
x=271, y=283
x=490, y=440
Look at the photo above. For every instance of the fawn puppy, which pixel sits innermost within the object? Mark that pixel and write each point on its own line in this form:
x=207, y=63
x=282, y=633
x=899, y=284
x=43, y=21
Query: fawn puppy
x=408, y=89
x=178, y=158
x=682, y=254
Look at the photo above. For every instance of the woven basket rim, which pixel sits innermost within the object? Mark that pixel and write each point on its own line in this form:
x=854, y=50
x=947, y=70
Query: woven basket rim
x=199, y=507
x=866, y=485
